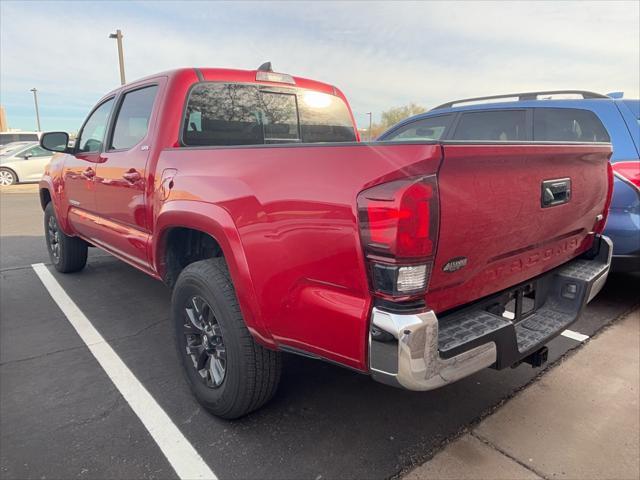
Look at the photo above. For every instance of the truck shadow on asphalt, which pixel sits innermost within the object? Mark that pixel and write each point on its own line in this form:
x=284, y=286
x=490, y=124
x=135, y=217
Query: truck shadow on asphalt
x=324, y=420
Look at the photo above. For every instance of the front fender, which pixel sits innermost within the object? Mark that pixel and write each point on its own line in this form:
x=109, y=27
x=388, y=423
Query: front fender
x=51, y=181
x=216, y=222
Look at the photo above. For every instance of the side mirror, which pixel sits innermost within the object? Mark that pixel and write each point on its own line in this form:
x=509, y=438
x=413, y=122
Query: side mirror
x=28, y=156
x=55, y=141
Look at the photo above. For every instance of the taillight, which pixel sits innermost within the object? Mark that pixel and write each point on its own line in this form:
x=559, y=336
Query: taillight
x=399, y=230
x=600, y=224
x=629, y=171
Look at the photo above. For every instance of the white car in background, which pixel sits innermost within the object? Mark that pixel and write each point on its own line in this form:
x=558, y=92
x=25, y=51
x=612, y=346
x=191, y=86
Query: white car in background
x=23, y=164
x=8, y=137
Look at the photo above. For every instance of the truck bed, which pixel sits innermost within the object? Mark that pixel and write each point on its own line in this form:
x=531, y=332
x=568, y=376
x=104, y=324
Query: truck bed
x=294, y=209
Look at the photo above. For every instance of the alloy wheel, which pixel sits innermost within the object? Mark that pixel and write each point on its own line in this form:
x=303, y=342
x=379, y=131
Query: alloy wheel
x=204, y=342
x=6, y=178
x=53, y=235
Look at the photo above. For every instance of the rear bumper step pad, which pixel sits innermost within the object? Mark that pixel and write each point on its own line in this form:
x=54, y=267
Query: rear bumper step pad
x=424, y=352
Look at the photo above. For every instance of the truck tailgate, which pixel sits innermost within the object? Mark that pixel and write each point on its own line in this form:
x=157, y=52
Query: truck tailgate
x=511, y=212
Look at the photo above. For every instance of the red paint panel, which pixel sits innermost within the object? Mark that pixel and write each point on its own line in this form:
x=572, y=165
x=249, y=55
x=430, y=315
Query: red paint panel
x=490, y=213
x=294, y=209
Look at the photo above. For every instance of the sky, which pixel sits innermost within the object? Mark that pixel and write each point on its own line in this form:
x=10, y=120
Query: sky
x=380, y=55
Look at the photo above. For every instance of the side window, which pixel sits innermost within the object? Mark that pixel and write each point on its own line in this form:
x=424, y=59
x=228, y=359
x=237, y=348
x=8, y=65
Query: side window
x=38, y=151
x=132, y=122
x=92, y=136
x=492, y=125
x=431, y=128
x=567, y=125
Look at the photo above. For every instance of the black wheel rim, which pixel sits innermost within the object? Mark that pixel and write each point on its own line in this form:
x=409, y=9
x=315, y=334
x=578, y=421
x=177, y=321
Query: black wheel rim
x=53, y=235
x=204, y=343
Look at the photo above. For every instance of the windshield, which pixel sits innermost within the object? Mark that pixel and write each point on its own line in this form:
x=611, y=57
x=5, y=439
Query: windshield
x=234, y=114
x=11, y=148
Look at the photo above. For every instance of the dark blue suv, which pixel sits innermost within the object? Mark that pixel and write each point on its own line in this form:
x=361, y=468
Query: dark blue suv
x=564, y=116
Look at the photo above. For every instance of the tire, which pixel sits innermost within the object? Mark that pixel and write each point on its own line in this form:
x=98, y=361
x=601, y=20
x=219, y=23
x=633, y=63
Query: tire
x=248, y=374
x=68, y=254
x=7, y=177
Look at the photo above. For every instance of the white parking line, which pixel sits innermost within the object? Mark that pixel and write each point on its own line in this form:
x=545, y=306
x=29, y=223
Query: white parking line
x=184, y=459
x=575, y=335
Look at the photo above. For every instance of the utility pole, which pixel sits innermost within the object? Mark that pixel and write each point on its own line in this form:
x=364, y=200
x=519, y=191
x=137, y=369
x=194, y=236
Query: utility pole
x=118, y=37
x=370, y=114
x=35, y=99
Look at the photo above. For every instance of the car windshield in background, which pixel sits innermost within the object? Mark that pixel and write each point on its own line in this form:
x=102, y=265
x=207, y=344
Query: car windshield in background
x=232, y=114
x=11, y=148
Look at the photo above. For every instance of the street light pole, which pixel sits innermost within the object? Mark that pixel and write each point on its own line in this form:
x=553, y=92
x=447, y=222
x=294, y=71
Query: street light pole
x=35, y=99
x=118, y=37
x=370, y=114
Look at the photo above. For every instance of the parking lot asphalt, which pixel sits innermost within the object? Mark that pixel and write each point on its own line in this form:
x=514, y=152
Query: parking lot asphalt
x=62, y=417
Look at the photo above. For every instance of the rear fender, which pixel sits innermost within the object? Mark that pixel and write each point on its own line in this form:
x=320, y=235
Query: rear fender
x=216, y=222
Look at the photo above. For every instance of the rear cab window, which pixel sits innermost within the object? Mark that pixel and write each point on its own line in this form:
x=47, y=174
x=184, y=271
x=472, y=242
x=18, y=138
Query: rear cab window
x=225, y=114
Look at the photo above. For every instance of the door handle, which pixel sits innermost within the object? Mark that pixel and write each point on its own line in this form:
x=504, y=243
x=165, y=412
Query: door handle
x=555, y=192
x=89, y=172
x=131, y=176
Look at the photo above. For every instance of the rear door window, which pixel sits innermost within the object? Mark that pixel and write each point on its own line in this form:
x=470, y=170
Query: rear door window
x=567, y=125
x=233, y=114
x=492, y=125
x=132, y=122
x=431, y=128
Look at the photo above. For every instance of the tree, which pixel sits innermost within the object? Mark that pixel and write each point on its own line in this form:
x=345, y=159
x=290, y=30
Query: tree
x=392, y=116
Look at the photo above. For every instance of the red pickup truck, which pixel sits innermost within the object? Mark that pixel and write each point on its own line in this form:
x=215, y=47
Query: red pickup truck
x=249, y=194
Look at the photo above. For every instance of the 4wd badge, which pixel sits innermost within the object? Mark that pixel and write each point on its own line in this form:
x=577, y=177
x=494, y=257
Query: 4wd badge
x=455, y=264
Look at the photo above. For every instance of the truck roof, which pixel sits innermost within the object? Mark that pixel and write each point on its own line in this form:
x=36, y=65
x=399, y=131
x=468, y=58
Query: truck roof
x=211, y=74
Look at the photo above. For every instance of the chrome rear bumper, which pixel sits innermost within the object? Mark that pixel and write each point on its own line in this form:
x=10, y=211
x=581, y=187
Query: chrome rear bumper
x=418, y=351
x=412, y=361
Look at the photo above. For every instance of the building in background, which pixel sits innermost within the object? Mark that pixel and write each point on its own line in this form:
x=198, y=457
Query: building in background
x=3, y=120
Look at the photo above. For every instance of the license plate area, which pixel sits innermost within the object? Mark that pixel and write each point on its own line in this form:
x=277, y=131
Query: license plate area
x=516, y=304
